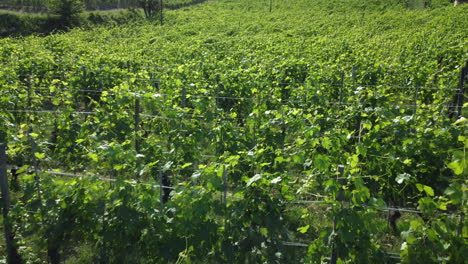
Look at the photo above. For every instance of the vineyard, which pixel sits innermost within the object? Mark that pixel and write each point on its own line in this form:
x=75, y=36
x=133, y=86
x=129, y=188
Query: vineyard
x=295, y=131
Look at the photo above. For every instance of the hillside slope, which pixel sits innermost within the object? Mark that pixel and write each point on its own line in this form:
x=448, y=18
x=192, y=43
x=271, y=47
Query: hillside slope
x=320, y=131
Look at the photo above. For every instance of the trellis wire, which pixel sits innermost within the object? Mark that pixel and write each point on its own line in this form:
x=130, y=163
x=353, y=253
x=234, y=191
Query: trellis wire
x=224, y=195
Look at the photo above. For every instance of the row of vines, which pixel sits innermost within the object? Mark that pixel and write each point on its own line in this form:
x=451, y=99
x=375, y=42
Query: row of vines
x=318, y=132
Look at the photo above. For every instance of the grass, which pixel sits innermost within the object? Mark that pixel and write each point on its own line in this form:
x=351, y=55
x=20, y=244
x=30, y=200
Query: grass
x=22, y=13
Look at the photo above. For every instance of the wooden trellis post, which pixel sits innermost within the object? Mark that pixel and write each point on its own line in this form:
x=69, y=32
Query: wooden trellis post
x=339, y=197
x=461, y=90
x=161, y=10
x=12, y=252
x=342, y=86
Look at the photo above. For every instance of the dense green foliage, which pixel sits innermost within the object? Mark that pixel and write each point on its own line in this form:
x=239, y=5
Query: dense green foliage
x=249, y=112
x=12, y=24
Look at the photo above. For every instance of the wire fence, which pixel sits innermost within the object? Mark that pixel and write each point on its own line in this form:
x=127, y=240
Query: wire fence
x=326, y=200
x=353, y=87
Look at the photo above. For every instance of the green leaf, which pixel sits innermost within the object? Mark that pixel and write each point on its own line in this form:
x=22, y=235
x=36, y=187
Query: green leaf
x=354, y=161
x=402, y=177
x=415, y=224
x=455, y=193
x=424, y=188
x=461, y=120
x=93, y=156
x=377, y=202
x=326, y=143
x=279, y=159
x=167, y=166
x=276, y=180
x=298, y=158
x=367, y=124
x=300, y=141
x=303, y=229
x=186, y=165
x=420, y=187
x=407, y=118
x=429, y=191
x=432, y=235
x=427, y=205
x=255, y=178
x=456, y=166
x=118, y=167
x=407, y=161
x=39, y=155
x=321, y=162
